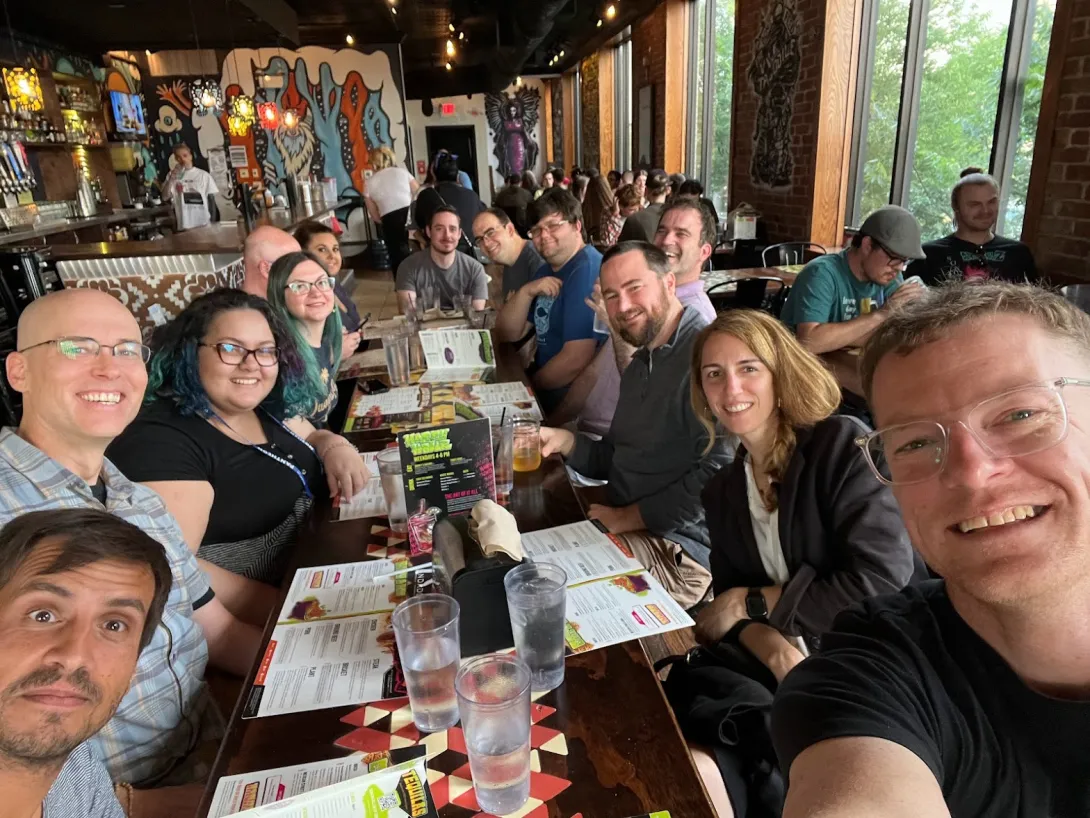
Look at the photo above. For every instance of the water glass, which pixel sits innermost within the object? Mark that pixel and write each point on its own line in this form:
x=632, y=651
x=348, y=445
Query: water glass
x=536, y=599
x=393, y=489
x=426, y=629
x=396, y=346
x=494, y=700
x=527, y=445
x=502, y=453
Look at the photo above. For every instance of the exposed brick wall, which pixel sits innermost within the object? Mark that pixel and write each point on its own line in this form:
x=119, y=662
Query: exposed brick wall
x=589, y=78
x=786, y=212
x=649, y=67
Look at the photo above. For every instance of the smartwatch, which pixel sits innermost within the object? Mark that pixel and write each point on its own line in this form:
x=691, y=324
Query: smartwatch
x=756, y=605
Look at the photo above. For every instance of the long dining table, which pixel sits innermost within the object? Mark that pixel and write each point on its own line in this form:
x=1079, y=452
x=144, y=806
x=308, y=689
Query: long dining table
x=625, y=755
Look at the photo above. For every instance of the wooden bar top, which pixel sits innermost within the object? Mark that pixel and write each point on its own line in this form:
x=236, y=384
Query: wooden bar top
x=20, y=235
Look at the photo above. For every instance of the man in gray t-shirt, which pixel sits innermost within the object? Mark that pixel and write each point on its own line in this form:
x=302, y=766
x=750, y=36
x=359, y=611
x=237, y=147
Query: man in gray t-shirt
x=439, y=272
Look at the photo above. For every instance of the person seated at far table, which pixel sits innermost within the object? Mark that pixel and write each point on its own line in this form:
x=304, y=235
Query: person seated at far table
x=439, y=275
x=967, y=696
x=495, y=235
x=643, y=224
x=554, y=301
x=301, y=294
x=80, y=371
x=261, y=248
x=319, y=239
x=657, y=456
x=81, y=595
x=973, y=252
x=223, y=443
x=692, y=189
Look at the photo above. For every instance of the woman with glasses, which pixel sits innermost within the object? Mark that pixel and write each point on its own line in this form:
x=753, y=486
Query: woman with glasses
x=221, y=440
x=301, y=293
x=319, y=239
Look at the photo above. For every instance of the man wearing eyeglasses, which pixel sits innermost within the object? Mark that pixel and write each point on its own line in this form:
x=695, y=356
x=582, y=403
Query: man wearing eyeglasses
x=495, y=234
x=554, y=302
x=970, y=695
x=81, y=371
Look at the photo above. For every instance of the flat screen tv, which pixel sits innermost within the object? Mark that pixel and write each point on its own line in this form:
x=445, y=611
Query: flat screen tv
x=128, y=113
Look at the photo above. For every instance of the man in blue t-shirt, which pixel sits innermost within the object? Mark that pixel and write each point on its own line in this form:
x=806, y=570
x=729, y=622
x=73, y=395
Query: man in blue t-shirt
x=554, y=301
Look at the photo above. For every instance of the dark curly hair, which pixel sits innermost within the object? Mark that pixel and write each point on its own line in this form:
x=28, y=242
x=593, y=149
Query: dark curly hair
x=174, y=370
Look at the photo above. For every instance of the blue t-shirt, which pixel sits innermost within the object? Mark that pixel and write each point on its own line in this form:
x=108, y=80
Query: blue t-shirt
x=826, y=292
x=566, y=317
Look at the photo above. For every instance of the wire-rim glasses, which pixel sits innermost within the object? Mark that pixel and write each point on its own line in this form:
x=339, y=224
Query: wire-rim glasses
x=76, y=347
x=234, y=354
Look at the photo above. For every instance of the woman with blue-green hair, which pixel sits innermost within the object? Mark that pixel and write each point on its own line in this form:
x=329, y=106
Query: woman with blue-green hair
x=301, y=293
x=222, y=441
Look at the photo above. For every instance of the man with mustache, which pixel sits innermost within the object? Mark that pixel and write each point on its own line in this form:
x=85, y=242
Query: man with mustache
x=81, y=594
x=656, y=455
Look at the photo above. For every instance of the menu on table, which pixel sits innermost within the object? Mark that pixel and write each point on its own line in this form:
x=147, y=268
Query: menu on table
x=448, y=467
x=582, y=550
x=369, y=502
x=376, y=411
x=236, y=793
x=452, y=349
x=444, y=401
x=348, y=589
x=367, y=362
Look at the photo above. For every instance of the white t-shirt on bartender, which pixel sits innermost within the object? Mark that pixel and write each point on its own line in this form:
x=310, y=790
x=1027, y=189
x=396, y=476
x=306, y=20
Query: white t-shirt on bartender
x=389, y=189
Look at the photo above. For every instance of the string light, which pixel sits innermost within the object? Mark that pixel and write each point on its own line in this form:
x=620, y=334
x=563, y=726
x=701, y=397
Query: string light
x=449, y=67
x=599, y=23
x=450, y=48
x=451, y=27
x=611, y=11
x=348, y=38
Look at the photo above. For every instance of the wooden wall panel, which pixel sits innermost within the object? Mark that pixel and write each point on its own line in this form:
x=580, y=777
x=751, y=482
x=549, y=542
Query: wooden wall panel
x=606, y=96
x=568, y=88
x=547, y=120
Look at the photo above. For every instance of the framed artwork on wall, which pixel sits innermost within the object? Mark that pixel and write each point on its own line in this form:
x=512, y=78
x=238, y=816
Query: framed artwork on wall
x=646, y=126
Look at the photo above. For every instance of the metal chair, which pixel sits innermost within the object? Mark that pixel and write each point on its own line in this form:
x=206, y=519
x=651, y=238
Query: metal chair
x=765, y=293
x=791, y=252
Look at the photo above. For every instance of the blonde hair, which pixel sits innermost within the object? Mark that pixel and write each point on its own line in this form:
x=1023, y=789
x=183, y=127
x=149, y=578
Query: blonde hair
x=806, y=392
x=381, y=158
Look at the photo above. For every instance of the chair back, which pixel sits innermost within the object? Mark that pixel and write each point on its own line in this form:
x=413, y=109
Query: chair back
x=765, y=293
x=791, y=252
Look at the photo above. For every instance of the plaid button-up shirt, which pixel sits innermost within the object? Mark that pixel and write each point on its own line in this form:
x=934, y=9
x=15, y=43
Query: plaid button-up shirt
x=160, y=719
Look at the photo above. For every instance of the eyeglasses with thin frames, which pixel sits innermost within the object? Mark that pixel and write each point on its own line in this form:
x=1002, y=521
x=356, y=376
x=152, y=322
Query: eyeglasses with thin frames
x=553, y=228
x=488, y=235
x=1014, y=423
x=234, y=354
x=75, y=347
x=323, y=285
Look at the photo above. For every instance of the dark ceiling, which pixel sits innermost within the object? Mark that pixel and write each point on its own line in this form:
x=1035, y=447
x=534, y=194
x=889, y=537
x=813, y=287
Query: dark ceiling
x=503, y=38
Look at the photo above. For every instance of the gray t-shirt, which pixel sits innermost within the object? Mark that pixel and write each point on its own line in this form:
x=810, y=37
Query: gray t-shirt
x=82, y=789
x=519, y=273
x=420, y=274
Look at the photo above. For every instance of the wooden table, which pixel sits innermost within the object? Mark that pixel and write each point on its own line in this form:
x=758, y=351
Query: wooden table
x=625, y=756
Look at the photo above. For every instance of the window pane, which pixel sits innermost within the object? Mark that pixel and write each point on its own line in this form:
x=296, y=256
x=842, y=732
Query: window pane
x=962, y=71
x=696, y=116
x=1027, y=126
x=885, y=103
x=719, y=172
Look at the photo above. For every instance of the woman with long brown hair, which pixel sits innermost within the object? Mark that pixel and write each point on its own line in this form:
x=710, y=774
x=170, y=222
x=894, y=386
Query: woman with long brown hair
x=599, y=207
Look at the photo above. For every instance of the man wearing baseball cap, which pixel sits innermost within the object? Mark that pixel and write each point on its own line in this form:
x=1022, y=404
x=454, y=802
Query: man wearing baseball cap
x=841, y=298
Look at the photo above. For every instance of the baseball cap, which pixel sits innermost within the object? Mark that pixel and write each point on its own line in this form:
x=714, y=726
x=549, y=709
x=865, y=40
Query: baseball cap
x=896, y=230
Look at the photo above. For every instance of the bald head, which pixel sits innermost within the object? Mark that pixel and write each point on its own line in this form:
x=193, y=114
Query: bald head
x=75, y=312
x=264, y=246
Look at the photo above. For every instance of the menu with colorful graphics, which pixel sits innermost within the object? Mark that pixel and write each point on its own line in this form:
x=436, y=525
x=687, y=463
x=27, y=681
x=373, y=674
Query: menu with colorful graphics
x=383, y=409
x=349, y=589
x=448, y=467
x=445, y=400
x=369, y=362
x=581, y=550
x=457, y=348
x=619, y=609
x=369, y=502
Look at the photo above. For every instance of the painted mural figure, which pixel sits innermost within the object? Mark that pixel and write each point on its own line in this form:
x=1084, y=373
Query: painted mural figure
x=512, y=120
x=774, y=75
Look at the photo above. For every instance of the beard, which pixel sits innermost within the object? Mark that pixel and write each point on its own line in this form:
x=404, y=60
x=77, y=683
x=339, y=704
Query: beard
x=51, y=742
x=653, y=323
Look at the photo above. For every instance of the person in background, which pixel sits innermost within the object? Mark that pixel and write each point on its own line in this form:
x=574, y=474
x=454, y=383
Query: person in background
x=81, y=595
x=262, y=247
x=600, y=211
x=513, y=199
x=643, y=224
x=579, y=187
x=656, y=456
x=462, y=178
x=800, y=527
x=388, y=194
x=565, y=183
x=185, y=177
x=553, y=302
x=548, y=179
x=80, y=370
x=980, y=396
x=973, y=252
x=317, y=238
x=628, y=177
x=529, y=183
x=626, y=203
x=439, y=275
x=692, y=189
x=614, y=179
x=676, y=181
x=301, y=294
x=448, y=193
x=640, y=182
x=222, y=441
x=495, y=235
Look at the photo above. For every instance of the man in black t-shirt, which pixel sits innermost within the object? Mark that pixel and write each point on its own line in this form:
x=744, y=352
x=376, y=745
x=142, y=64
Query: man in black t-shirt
x=968, y=696
x=973, y=252
x=448, y=193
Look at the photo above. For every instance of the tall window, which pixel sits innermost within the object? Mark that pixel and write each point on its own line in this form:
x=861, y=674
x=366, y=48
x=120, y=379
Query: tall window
x=622, y=105
x=945, y=85
x=711, y=84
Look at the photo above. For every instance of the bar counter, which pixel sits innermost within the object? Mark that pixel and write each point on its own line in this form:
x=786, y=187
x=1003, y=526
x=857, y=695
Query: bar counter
x=21, y=236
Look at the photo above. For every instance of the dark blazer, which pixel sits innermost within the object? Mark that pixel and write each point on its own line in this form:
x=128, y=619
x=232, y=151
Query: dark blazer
x=840, y=529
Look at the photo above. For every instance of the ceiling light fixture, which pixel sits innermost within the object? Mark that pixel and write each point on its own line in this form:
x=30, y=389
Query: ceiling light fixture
x=348, y=38
x=449, y=67
x=461, y=35
x=450, y=48
x=393, y=11
x=611, y=11
x=451, y=27
x=561, y=54
x=599, y=23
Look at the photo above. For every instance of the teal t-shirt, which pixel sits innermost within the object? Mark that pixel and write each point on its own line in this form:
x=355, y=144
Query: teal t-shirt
x=826, y=292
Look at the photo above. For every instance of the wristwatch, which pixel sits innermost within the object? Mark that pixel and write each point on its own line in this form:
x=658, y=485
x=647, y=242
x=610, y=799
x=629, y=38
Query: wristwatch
x=756, y=605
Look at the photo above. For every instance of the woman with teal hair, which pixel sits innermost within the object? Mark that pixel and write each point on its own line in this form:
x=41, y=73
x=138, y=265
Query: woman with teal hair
x=301, y=293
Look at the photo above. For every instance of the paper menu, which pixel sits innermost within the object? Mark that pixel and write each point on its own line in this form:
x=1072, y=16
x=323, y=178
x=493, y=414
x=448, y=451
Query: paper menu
x=395, y=401
x=457, y=348
x=370, y=502
x=348, y=589
x=469, y=374
x=619, y=609
x=581, y=550
x=367, y=362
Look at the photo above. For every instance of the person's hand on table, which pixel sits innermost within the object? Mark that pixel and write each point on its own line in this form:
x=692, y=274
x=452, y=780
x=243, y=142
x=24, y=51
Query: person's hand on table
x=350, y=342
x=344, y=469
x=617, y=520
x=556, y=441
x=721, y=614
x=549, y=285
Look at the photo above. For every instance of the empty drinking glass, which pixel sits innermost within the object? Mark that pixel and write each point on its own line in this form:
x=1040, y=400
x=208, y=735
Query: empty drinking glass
x=536, y=599
x=396, y=347
x=494, y=700
x=393, y=489
x=426, y=629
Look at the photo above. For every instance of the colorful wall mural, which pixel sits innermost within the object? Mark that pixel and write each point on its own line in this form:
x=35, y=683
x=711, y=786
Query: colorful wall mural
x=513, y=120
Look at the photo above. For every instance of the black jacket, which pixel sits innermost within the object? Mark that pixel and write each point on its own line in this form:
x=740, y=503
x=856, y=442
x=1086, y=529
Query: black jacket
x=840, y=529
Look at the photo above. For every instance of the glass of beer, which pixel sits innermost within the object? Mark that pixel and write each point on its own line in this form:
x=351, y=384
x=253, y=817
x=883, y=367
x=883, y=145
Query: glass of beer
x=527, y=444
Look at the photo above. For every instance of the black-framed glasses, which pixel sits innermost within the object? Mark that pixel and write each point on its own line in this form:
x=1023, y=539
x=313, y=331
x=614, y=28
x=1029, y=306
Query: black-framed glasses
x=75, y=348
x=323, y=285
x=1014, y=423
x=488, y=235
x=234, y=354
x=894, y=259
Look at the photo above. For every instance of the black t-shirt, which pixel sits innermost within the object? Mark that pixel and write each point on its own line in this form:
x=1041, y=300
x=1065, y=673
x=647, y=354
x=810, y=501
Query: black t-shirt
x=908, y=669
x=98, y=491
x=465, y=201
x=953, y=258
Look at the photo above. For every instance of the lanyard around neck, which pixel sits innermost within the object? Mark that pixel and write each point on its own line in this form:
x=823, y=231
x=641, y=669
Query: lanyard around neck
x=300, y=472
